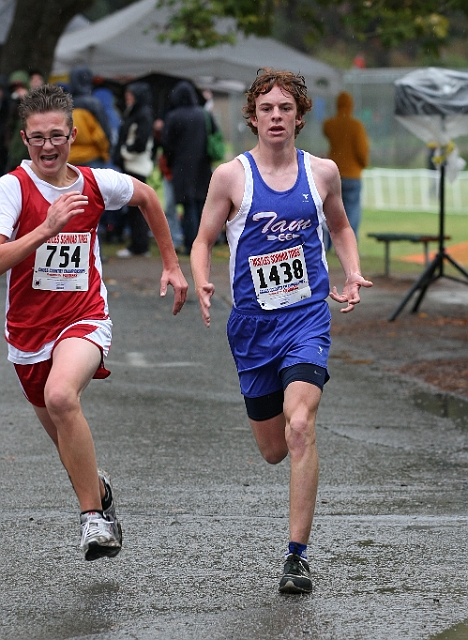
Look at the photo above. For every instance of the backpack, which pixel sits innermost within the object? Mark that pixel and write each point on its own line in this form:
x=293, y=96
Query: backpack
x=215, y=146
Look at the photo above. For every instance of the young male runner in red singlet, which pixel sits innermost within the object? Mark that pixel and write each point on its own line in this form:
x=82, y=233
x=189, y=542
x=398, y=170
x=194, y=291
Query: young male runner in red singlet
x=57, y=322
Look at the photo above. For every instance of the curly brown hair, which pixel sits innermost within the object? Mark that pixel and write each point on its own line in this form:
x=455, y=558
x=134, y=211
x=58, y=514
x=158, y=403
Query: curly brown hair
x=266, y=79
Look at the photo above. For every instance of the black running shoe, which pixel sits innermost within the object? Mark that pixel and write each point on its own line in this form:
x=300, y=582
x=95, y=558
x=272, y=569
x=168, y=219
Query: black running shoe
x=296, y=575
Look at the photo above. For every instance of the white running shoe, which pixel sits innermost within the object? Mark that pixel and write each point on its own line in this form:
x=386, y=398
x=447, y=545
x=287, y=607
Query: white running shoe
x=98, y=537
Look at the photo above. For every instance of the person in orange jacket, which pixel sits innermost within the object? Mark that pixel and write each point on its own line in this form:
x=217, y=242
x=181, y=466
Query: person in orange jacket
x=349, y=149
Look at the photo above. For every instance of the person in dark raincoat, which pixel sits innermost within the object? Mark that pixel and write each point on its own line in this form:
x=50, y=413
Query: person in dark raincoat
x=184, y=140
x=134, y=156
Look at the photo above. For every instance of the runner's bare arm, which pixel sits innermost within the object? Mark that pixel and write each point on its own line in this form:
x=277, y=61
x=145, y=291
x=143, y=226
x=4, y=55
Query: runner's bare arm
x=218, y=206
x=342, y=235
x=59, y=213
x=146, y=199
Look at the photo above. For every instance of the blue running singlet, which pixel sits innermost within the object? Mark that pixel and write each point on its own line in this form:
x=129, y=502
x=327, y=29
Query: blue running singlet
x=276, y=242
x=279, y=279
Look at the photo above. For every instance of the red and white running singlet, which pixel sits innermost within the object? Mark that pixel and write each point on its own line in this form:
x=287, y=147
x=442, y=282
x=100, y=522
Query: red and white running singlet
x=61, y=282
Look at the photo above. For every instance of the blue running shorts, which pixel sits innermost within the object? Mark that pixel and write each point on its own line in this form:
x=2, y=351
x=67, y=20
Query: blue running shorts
x=264, y=344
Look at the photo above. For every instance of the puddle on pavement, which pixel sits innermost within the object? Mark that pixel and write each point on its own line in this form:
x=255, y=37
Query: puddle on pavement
x=445, y=406
x=458, y=632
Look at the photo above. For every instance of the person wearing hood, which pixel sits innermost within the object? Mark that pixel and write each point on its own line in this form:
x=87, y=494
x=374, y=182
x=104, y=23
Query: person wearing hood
x=92, y=143
x=36, y=78
x=184, y=140
x=349, y=149
x=134, y=156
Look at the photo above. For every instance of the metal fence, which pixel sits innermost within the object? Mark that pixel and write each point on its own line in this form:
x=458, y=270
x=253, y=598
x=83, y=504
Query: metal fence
x=413, y=190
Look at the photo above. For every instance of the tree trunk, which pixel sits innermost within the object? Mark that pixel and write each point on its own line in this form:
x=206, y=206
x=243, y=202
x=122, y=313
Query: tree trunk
x=35, y=31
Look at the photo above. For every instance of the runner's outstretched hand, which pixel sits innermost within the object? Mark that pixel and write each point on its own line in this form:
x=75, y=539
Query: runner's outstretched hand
x=176, y=279
x=350, y=291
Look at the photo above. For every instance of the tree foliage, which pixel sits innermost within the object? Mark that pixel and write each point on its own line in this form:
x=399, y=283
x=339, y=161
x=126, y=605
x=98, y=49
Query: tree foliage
x=393, y=22
x=36, y=28
x=35, y=31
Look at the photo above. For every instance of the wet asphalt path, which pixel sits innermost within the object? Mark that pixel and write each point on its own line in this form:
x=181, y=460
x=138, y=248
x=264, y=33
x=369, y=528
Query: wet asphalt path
x=205, y=519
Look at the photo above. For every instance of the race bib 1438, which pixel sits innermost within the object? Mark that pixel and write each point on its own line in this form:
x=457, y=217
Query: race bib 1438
x=280, y=278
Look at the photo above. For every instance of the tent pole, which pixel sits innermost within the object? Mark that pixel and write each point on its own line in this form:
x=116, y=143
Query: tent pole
x=442, y=212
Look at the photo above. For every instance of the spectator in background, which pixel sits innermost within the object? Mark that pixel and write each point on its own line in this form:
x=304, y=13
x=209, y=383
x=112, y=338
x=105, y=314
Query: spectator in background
x=349, y=149
x=17, y=151
x=4, y=113
x=170, y=207
x=36, y=78
x=92, y=143
x=359, y=61
x=106, y=97
x=184, y=140
x=111, y=223
x=209, y=102
x=133, y=155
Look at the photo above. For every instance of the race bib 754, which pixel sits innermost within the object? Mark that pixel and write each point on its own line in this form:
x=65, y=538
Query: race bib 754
x=62, y=263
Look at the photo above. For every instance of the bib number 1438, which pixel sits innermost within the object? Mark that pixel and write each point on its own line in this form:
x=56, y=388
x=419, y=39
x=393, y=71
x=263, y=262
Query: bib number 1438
x=280, y=278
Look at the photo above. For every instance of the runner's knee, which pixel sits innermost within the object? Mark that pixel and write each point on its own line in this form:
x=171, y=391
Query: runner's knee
x=60, y=399
x=300, y=435
x=275, y=455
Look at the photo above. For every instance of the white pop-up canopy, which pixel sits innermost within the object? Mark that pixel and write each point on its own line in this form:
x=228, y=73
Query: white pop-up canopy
x=124, y=44
x=432, y=103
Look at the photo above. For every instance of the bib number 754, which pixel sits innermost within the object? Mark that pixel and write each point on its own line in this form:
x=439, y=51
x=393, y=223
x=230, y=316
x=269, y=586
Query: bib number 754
x=64, y=254
x=62, y=263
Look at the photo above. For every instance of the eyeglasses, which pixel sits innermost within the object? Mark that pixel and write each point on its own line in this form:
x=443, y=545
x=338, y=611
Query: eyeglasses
x=39, y=141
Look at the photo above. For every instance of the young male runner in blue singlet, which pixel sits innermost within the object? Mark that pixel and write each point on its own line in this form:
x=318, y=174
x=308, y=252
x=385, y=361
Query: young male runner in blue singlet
x=274, y=201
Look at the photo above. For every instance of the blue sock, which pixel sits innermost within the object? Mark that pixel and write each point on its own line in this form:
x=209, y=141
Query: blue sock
x=298, y=548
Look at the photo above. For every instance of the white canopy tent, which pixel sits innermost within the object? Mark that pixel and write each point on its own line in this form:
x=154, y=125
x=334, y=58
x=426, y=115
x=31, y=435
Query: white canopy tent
x=432, y=103
x=124, y=45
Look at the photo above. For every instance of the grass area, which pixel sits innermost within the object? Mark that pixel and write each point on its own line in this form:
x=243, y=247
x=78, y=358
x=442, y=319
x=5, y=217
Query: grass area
x=371, y=251
x=456, y=226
